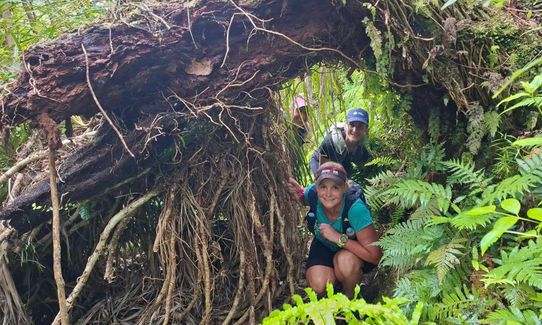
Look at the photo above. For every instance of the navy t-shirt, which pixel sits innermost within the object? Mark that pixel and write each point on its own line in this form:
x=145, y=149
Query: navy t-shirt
x=336, y=151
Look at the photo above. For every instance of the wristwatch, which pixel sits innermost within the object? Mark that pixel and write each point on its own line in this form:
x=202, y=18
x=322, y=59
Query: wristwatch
x=342, y=241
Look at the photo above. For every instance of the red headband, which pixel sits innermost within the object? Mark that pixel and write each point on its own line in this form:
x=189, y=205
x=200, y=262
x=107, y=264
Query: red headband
x=336, y=171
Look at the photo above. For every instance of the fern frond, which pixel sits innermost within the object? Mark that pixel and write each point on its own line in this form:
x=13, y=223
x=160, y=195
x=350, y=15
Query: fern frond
x=471, y=222
x=512, y=316
x=384, y=179
x=431, y=209
x=516, y=295
x=455, y=278
x=397, y=215
x=530, y=165
x=383, y=162
x=373, y=197
x=454, y=304
x=446, y=257
x=509, y=187
x=521, y=265
x=408, y=243
x=492, y=120
x=418, y=285
x=413, y=193
x=378, y=184
x=463, y=172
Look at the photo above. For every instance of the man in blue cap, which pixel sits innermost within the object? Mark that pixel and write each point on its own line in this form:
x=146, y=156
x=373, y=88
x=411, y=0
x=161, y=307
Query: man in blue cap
x=345, y=144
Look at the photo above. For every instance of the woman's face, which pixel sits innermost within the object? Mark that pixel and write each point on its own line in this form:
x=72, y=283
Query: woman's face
x=330, y=194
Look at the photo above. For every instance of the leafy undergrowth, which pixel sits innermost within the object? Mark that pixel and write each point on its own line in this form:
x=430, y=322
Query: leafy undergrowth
x=337, y=307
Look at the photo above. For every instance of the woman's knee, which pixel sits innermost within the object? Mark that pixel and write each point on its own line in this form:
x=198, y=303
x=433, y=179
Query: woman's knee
x=346, y=263
x=318, y=279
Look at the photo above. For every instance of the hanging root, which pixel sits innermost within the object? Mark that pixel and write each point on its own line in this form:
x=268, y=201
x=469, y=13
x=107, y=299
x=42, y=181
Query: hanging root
x=100, y=247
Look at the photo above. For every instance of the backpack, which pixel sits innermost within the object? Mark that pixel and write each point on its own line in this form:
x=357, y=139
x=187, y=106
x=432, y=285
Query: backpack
x=353, y=193
x=335, y=132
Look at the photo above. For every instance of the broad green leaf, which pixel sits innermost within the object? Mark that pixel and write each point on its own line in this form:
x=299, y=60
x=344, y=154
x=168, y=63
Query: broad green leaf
x=435, y=220
x=417, y=313
x=480, y=210
x=529, y=142
x=535, y=213
x=447, y=4
x=511, y=205
x=475, y=265
x=298, y=300
x=513, y=97
x=498, y=229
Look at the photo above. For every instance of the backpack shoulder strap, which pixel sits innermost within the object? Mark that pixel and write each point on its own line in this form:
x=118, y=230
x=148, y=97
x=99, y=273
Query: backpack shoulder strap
x=353, y=193
x=313, y=199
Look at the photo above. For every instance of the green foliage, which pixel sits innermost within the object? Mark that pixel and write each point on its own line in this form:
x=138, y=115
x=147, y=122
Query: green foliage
x=23, y=23
x=408, y=243
x=412, y=193
x=459, y=306
x=463, y=172
x=531, y=96
x=522, y=265
x=445, y=257
x=338, y=306
x=512, y=316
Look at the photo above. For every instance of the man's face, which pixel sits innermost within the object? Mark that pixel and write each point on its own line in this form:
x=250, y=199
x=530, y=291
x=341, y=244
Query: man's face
x=355, y=132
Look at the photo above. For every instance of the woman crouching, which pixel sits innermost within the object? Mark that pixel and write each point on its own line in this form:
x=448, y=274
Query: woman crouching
x=333, y=255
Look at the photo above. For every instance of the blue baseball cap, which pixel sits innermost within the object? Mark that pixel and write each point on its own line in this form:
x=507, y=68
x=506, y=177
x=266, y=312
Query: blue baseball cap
x=357, y=115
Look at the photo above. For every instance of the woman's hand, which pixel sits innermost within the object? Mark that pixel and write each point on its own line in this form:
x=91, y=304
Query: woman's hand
x=329, y=233
x=296, y=191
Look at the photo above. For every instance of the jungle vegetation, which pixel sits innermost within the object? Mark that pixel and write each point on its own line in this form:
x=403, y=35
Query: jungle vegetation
x=167, y=124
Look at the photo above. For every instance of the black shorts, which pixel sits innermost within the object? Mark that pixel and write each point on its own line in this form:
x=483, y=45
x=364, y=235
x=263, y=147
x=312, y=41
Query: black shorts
x=320, y=254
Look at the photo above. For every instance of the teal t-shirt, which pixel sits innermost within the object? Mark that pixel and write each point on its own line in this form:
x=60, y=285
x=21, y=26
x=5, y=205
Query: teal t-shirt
x=359, y=216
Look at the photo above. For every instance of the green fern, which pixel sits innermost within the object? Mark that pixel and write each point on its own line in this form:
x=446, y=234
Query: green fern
x=463, y=173
x=531, y=165
x=520, y=265
x=378, y=184
x=397, y=215
x=446, y=257
x=509, y=187
x=383, y=162
x=517, y=295
x=408, y=243
x=383, y=180
x=413, y=193
x=492, y=120
x=475, y=114
x=471, y=221
x=458, y=305
x=512, y=316
x=427, y=211
x=418, y=286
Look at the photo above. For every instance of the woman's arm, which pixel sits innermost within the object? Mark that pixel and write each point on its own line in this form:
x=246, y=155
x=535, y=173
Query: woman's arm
x=361, y=246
